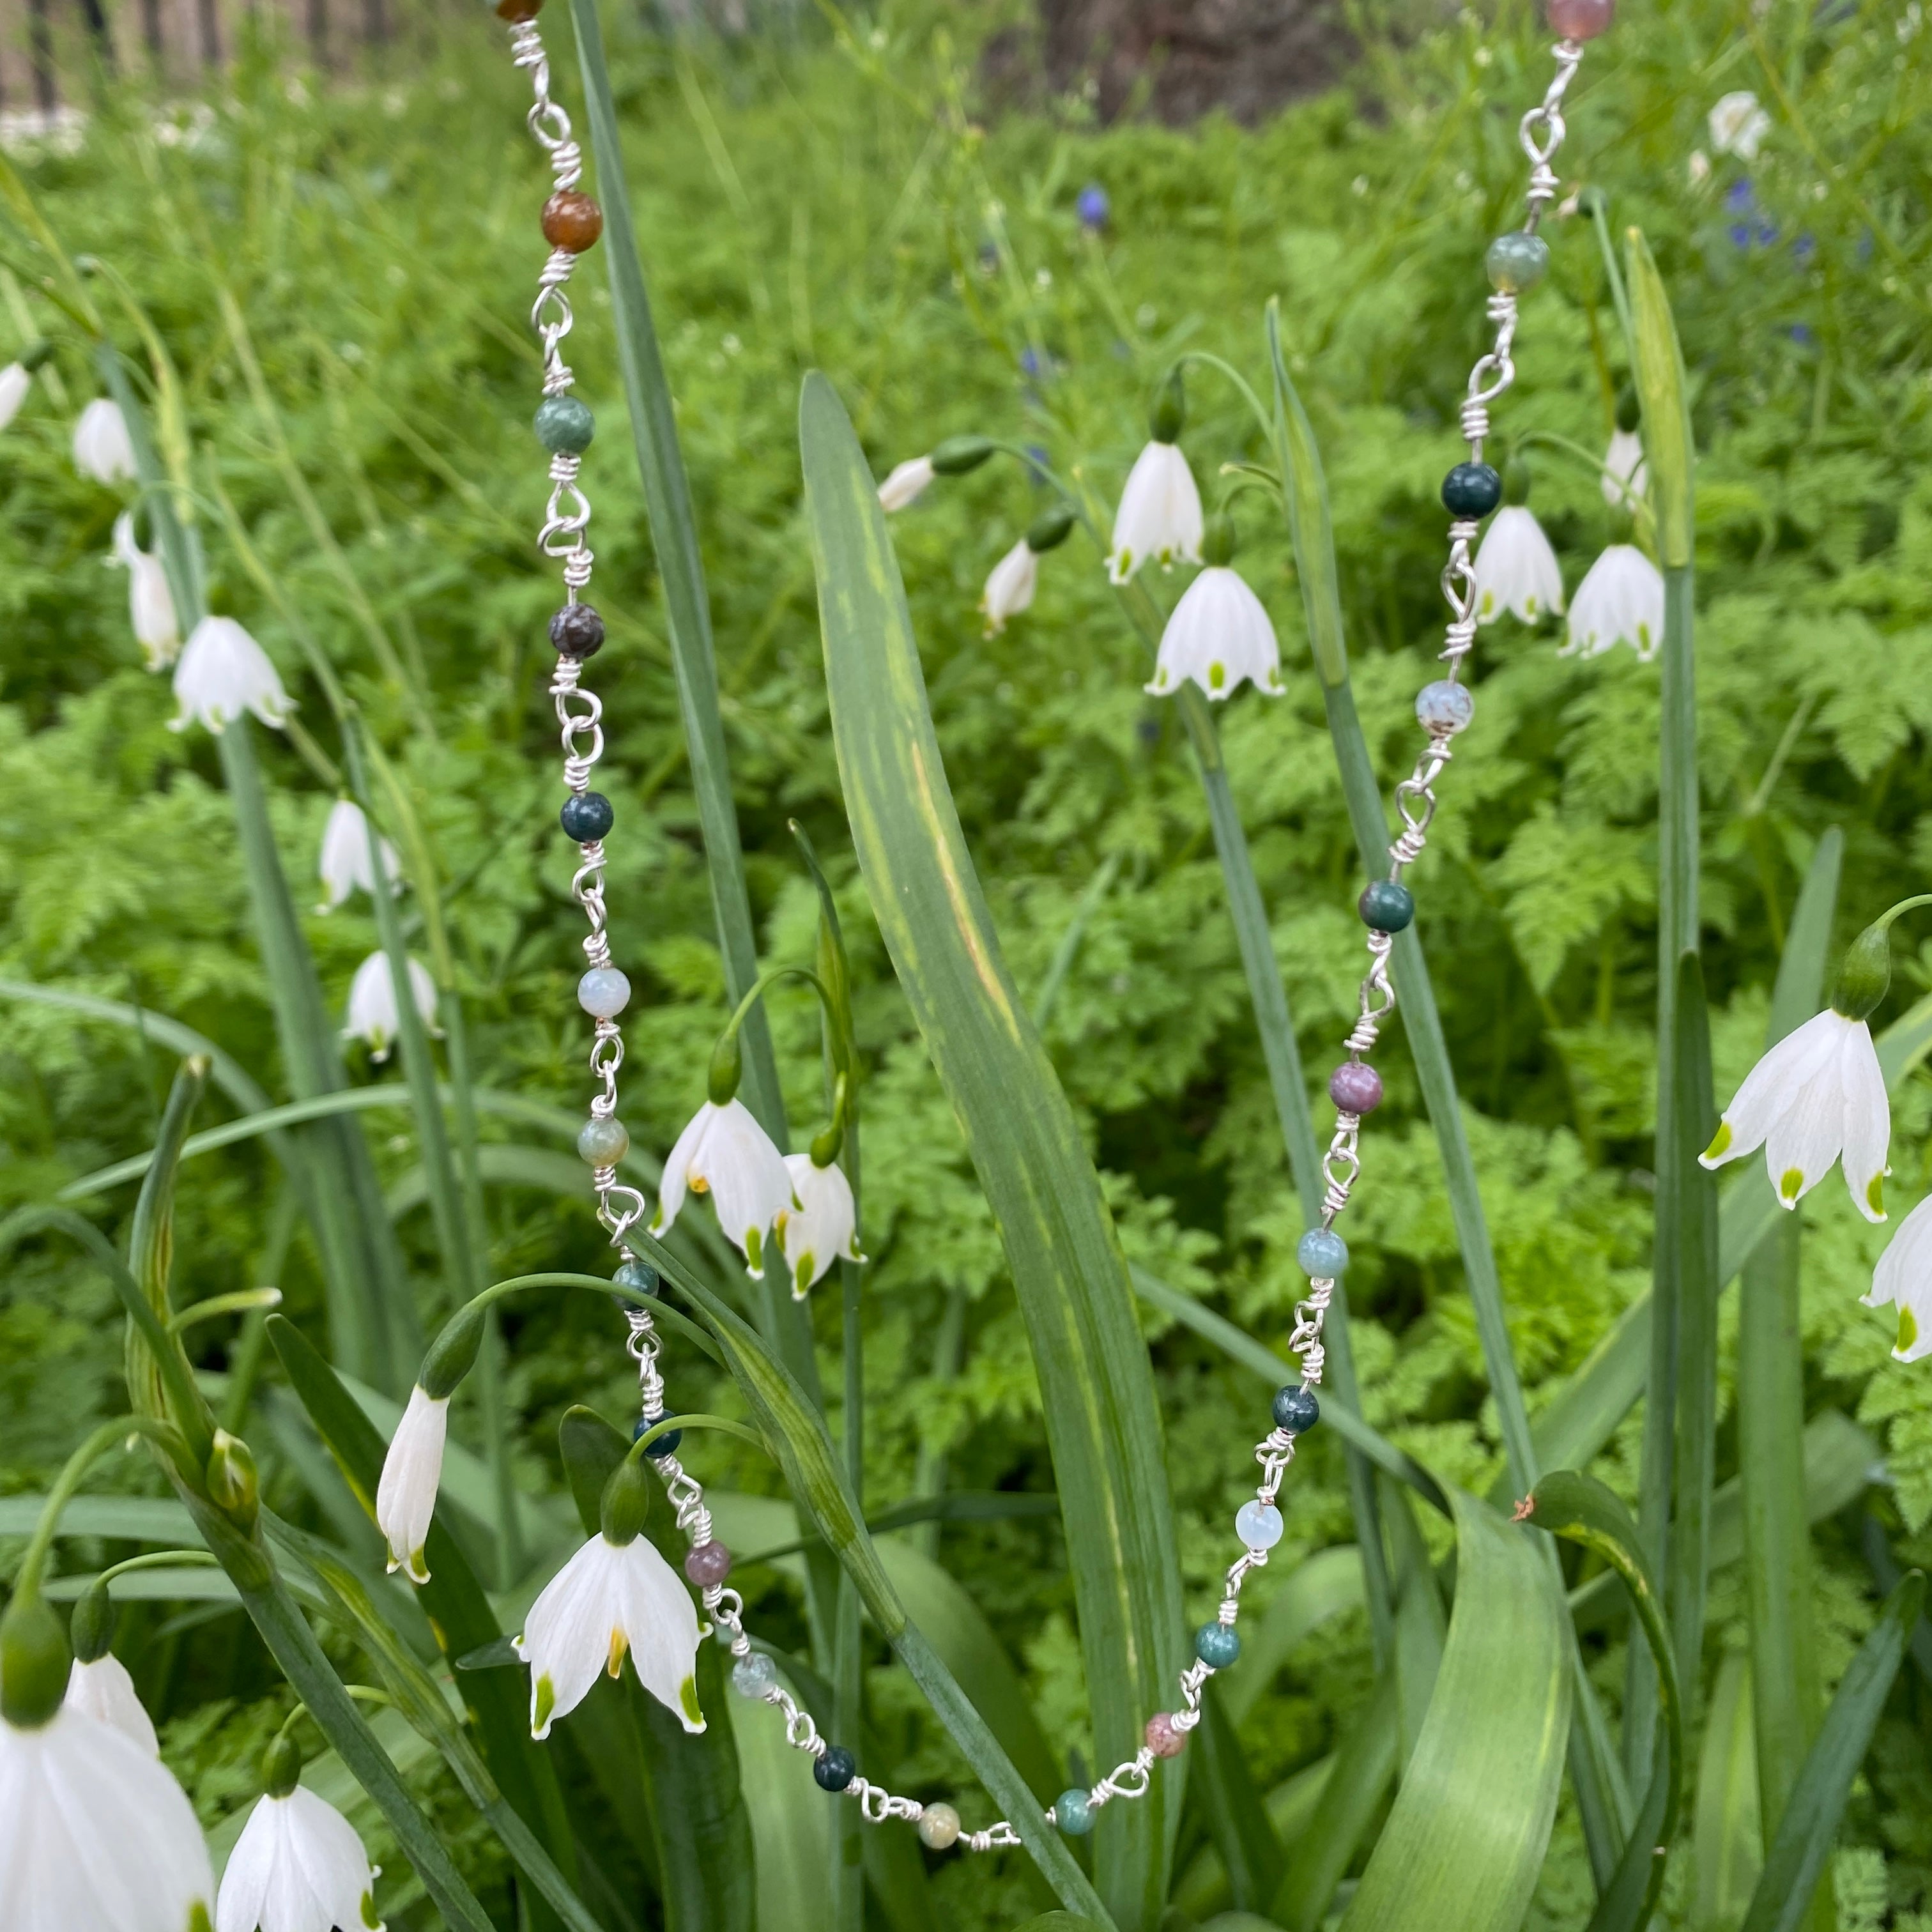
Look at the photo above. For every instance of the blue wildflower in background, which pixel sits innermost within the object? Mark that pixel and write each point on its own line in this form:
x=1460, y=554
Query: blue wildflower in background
x=1092, y=206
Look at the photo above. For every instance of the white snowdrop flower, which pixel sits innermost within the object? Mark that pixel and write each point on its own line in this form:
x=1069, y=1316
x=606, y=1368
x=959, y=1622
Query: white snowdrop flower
x=725, y=1153
x=1219, y=634
x=1159, y=517
x=412, y=1473
x=151, y=607
x=1817, y=1095
x=344, y=862
x=223, y=673
x=14, y=384
x=298, y=1867
x=103, y=1691
x=1903, y=1277
x=610, y=1597
x=1626, y=475
x=1620, y=601
x=1699, y=167
x=1517, y=571
x=902, y=488
x=1739, y=124
x=1009, y=588
x=372, y=1003
x=822, y=1228
x=101, y=449
x=95, y=1835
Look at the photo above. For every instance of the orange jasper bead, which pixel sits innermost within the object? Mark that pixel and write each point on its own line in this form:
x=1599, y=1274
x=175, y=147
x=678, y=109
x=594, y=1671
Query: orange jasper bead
x=572, y=221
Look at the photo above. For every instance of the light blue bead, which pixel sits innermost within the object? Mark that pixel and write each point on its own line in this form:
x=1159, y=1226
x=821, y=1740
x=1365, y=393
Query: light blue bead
x=1322, y=1254
x=604, y=992
x=1444, y=706
x=1073, y=1812
x=752, y=1676
x=1258, y=1524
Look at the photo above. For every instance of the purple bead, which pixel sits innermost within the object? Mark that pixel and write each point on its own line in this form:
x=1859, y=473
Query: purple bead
x=707, y=1564
x=1355, y=1088
x=1580, y=20
x=1164, y=1738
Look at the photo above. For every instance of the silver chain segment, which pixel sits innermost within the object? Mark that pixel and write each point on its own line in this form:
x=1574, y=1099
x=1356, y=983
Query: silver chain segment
x=580, y=714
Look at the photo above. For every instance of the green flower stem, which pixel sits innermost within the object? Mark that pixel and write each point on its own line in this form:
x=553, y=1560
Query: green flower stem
x=97, y=1443
x=723, y=1424
x=243, y=1301
x=596, y=1284
x=157, y=1559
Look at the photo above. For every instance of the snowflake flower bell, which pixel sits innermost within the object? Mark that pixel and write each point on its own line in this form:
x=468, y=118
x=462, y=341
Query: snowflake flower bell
x=1626, y=477
x=824, y=1227
x=345, y=861
x=412, y=1475
x=1219, y=634
x=298, y=1866
x=1818, y=1095
x=98, y=1685
x=615, y=1595
x=15, y=381
x=1619, y=602
x=223, y=673
x=373, y=1014
x=1160, y=516
x=151, y=606
x=1904, y=1278
x=1009, y=588
x=1739, y=124
x=95, y=1833
x=101, y=447
x=908, y=481
x=1517, y=570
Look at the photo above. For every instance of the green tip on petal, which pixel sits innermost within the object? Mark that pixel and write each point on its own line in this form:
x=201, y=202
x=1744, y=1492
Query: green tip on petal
x=801, y=1277
x=369, y=1918
x=1720, y=1145
x=1790, y=1185
x=1875, y=1195
x=545, y=1705
x=1217, y=676
x=1908, y=1334
x=755, y=1253
x=687, y=1703
x=198, y=1920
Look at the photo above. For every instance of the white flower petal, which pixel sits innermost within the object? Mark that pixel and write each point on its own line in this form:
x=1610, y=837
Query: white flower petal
x=660, y=1624
x=1903, y=1275
x=412, y=1474
x=101, y=448
x=1770, y=1086
x=1867, y=1120
x=902, y=487
x=1219, y=635
x=1739, y=124
x=298, y=1867
x=820, y=1229
x=223, y=673
x=725, y=1152
x=1805, y=1138
x=1159, y=517
x=1626, y=475
x=1517, y=570
x=1009, y=588
x=103, y=1691
x=150, y=607
x=566, y=1637
x=373, y=1015
x=345, y=861
x=14, y=384
x=1620, y=601
x=672, y=1188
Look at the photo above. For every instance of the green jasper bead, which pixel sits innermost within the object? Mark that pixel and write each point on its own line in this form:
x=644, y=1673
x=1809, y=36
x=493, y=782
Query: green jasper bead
x=1517, y=262
x=1073, y=1810
x=1216, y=1644
x=603, y=1143
x=564, y=426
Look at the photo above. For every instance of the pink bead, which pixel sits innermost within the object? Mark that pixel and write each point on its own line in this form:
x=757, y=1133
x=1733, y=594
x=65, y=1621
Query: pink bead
x=1580, y=20
x=1355, y=1088
x=708, y=1563
x=1164, y=1738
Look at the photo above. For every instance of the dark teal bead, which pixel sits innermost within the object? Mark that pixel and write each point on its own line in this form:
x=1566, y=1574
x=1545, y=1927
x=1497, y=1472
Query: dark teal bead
x=1217, y=1645
x=564, y=426
x=640, y=1275
x=1386, y=906
x=666, y=1444
x=587, y=818
x=1471, y=489
x=835, y=1769
x=1074, y=1812
x=1296, y=1410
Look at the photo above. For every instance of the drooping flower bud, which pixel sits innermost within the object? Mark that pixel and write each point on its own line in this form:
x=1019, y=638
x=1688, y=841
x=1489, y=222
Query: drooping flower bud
x=959, y=454
x=233, y=1486
x=728, y=1068
x=91, y=1630
x=625, y=1502
x=1168, y=416
x=34, y=1663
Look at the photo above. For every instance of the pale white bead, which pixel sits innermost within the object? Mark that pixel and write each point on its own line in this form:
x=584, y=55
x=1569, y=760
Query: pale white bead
x=604, y=992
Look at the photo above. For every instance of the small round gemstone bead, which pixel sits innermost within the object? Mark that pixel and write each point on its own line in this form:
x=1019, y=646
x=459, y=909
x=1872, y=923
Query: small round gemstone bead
x=1296, y=1410
x=564, y=426
x=587, y=817
x=835, y=1769
x=1386, y=905
x=1164, y=1738
x=1258, y=1524
x=1517, y=262
x=517, y=11
x=938, y=1827
x=604, y=992
x=1580, y=20
x=572, y=220
x=1217, y=1644
x=1355, y=1088
x=707, y=1563
x=1444, y=706
x=603, y=1143
x=752, y=1676
x=1073, y=1811
x=576, y=631
x=664, y=1445
x=1471, y=489
x=1321, y=1254
x=640, y=1275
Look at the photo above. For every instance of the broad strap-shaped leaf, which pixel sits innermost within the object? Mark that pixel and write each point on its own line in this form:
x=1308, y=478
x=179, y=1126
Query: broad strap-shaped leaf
x=1467, y=1833
x=1816, y=1807
x=1350, y=1797
x=1097, y=1389
x=1581, y=1510
x=1224, y=1793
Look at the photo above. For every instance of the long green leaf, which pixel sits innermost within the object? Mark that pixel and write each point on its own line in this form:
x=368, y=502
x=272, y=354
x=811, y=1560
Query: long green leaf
x=1726, y=1842
x=1202, y=1888
x=1364, y=1765
x=1102, y=1423
x=1322, y=1586
x=1467, y=1835
x=1795, y=1860
x=1223, y=1788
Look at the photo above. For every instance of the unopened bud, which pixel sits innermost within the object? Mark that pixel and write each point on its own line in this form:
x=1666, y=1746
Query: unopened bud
x=90, y=1629
x=1517, y=480
x=1218, y=539
x=453, y=1354
x=233, y=1486
x=728, y=1068
x=825, y=1146
x=959, y=454
x=625, y=1502
x=1169, y=414
x=1050, y=529
x=1864, y=974
x=281, y=1766
x=34, y=1663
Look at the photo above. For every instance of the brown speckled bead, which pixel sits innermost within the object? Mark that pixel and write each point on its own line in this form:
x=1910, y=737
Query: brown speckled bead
x=1164, y=1738
x=1580, y=20
x=572, y=221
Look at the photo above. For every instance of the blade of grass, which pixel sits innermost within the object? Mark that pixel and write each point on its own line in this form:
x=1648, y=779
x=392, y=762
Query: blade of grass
x=1237, y=1818
x=1364, y=1765
x=1726, y=1842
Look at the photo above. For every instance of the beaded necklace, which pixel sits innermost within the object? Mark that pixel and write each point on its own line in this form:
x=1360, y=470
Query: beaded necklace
x=572, y=224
